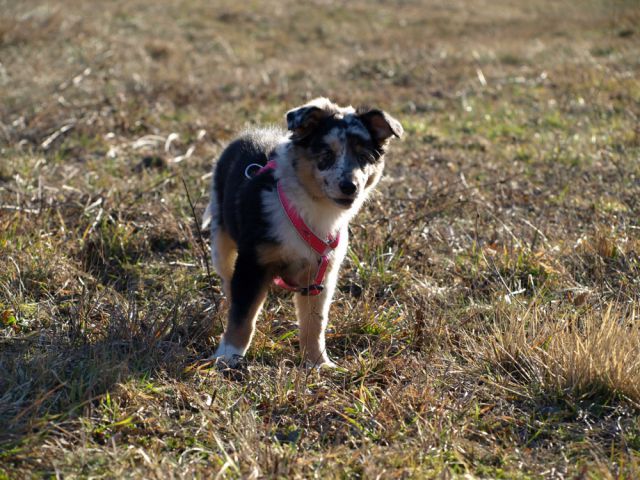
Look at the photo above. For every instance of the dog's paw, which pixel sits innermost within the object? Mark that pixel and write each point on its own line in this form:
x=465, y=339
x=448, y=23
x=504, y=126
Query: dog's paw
x=321, y=363
x=236, y=362
x=233, y=367
x=326, y=365
x=227, y=356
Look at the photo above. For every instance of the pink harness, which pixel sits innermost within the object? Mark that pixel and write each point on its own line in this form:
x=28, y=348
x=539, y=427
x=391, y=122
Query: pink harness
x=321, y=247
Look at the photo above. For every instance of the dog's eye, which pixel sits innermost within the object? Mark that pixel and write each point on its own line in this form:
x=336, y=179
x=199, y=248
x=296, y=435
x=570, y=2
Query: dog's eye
x=365, y=157
x=363, y=154
x=325, y=160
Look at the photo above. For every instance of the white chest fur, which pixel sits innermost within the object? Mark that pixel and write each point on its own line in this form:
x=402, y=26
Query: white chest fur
x=298, y=260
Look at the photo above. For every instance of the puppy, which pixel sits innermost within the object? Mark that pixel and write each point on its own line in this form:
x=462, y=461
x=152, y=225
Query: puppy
x=280, y=205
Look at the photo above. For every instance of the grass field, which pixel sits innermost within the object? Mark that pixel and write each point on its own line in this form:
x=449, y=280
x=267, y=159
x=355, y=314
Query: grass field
x=487, y=322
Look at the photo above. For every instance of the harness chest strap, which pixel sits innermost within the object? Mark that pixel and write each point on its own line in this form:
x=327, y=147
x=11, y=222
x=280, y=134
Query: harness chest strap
x=321, y=247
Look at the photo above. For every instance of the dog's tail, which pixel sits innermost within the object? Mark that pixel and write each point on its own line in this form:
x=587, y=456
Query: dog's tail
x=206, y=218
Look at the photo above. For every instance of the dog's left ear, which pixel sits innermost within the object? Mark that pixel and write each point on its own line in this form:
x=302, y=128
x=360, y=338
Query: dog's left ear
x=381, y=125
x=302, y=120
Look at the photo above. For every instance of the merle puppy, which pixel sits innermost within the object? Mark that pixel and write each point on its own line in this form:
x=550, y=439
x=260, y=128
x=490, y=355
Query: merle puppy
x=280, y=205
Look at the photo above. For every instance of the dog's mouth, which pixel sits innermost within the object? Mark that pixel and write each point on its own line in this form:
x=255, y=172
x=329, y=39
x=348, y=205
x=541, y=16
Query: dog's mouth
x=344, y=202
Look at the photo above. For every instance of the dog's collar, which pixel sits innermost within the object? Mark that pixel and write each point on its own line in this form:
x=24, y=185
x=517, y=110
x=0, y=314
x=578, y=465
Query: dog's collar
x=320, y=246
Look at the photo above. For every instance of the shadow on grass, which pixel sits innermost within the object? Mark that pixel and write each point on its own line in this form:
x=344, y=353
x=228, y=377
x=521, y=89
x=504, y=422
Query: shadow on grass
x=50, y=378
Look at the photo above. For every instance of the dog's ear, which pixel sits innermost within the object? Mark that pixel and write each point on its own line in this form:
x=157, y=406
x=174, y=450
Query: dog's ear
x=302, y=120
x=380, y=124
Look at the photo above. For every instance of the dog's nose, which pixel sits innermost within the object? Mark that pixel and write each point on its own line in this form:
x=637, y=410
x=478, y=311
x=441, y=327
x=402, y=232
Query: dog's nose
x=347, y=187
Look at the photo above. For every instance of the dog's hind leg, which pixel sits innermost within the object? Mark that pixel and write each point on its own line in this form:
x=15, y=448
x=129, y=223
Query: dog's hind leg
x=249, y=285
x=223, y=256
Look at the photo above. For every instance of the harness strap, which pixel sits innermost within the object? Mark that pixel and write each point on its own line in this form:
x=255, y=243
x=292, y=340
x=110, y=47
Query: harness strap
x=270, y=165
x=320, y=246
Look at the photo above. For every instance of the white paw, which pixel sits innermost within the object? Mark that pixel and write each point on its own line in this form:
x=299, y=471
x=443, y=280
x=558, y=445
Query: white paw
x=328, y=364
x=320, y=363
x=227, y=354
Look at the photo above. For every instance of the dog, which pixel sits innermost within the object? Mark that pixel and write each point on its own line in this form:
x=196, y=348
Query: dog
x=279, y=210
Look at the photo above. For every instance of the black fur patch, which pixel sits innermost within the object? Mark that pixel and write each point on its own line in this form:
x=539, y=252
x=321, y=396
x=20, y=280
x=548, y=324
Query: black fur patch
x=248, y=280
x=365, y=150
x=241, y=212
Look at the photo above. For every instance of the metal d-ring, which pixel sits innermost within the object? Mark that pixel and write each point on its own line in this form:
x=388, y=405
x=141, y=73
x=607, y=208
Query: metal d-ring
x=246, y=170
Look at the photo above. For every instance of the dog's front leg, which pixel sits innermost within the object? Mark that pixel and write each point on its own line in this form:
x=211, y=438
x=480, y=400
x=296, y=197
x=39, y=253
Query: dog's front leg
x=249, y=285
x=313, y=314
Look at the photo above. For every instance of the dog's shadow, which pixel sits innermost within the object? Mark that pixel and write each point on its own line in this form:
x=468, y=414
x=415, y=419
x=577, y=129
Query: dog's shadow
x=49, y=378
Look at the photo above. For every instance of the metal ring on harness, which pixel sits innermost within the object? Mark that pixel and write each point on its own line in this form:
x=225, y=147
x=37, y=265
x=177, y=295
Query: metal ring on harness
x=251, y=165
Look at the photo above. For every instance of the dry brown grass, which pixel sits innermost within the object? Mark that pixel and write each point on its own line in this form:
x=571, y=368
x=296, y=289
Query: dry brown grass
x=588, y=354
x=486, y=323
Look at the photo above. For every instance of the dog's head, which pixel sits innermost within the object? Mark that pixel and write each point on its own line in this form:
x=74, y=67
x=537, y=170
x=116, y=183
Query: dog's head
x=339, y=151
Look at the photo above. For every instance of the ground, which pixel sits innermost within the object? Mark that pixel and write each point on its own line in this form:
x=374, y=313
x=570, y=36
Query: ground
x=486, y=322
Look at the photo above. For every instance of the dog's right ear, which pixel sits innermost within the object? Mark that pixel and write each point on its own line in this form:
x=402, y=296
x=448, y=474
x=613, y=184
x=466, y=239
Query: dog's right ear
x=302, y=120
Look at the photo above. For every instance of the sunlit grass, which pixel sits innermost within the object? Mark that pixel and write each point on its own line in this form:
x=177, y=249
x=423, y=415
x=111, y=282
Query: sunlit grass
x=485, y=322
